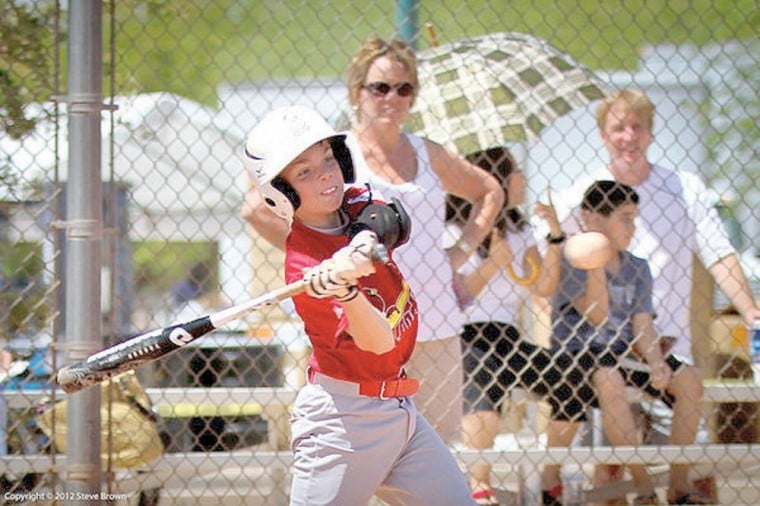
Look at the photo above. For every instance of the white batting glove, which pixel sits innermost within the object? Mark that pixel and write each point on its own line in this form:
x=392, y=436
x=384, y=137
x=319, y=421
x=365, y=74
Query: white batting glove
x=355, y=260
x=323, y=281
x=338, y=275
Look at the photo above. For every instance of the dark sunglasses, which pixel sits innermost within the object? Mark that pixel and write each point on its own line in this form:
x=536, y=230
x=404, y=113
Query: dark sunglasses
x=381, y=89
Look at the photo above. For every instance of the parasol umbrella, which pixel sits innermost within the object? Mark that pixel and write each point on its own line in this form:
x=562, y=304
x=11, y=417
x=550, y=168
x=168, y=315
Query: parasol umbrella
x=492, y=89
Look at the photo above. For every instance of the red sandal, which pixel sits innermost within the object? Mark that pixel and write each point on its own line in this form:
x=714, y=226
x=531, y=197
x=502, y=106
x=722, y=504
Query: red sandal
x=485, y=496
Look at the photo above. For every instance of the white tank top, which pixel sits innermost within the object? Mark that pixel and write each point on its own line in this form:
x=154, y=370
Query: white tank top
x=422, y=260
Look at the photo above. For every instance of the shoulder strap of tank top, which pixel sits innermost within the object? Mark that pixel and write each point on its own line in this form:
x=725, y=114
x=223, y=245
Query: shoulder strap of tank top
x=425, y=173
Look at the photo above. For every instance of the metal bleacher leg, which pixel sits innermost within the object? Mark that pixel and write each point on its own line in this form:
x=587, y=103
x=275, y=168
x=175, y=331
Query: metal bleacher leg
x=528, y=473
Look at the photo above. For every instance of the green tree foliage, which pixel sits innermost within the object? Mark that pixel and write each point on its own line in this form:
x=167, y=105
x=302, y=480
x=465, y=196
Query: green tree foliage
x=26, y=62
x=189, y=48
x=23, y=300
x=26, y=70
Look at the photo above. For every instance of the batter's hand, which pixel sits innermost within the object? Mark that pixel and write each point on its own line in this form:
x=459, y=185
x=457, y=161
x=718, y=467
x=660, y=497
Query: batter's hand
x=355, y=260
x=323, y=281
x=338, y=275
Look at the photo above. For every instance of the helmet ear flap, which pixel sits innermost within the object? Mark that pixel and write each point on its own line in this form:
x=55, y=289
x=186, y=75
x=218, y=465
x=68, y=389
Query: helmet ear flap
x=343, y=155
x=290, y=193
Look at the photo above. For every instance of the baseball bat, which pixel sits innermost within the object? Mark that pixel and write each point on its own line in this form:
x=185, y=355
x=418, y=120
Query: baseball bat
x=137, y=350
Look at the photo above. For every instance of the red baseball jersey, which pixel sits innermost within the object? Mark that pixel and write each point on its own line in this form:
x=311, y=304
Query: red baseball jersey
x=334, y=351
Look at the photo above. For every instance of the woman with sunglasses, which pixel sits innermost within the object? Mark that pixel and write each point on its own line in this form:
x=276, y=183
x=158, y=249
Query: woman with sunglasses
x=382, y=85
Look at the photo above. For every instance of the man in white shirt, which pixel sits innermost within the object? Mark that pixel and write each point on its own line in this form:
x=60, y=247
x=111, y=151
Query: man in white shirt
x=677, y=219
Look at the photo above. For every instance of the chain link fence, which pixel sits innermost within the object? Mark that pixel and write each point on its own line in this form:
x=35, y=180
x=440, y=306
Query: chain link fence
x=183, y=83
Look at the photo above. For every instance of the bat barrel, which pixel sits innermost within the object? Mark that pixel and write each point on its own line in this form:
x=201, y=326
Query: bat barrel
x=130, y=354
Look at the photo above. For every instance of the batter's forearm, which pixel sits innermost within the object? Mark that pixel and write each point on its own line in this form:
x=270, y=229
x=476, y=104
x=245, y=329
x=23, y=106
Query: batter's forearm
x=369, y=328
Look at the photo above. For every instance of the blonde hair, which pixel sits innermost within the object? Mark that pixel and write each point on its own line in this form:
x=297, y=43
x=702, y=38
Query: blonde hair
x=634, y=100
x=369, y=51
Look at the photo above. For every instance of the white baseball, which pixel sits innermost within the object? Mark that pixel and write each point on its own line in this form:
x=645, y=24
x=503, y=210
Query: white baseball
x=588, y=250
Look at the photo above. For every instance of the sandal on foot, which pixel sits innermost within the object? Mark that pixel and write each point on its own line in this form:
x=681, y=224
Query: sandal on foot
x=485, y=496
x=642, y=500
x=691, y=498
x=552, y=497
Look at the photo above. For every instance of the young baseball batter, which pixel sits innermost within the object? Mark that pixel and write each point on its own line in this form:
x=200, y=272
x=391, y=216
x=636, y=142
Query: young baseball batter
x=355, y=430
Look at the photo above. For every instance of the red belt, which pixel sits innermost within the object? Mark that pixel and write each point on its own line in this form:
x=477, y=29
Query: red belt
x=382, y=389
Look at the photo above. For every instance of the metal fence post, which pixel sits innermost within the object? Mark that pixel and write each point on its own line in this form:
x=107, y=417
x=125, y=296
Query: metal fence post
x=84, y=230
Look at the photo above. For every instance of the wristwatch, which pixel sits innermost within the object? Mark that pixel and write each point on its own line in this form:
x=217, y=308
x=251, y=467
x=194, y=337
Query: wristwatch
x=555, y=240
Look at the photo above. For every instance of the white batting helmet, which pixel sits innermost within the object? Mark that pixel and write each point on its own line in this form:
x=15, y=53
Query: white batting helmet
x=277, y=140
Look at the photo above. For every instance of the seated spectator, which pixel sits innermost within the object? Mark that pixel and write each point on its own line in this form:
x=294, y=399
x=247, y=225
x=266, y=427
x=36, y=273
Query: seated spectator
x=600, y=315
x=494, y=297
x=678, y=222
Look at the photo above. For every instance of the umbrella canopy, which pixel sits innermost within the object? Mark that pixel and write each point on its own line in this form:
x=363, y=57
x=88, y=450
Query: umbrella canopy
x=501, y=87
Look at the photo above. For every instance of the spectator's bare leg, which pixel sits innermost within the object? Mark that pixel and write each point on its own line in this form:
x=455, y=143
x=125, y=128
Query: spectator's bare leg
x=559, y=434
x=686, y=386
x=605, y=474
x=618, y=421
x=479, y=431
